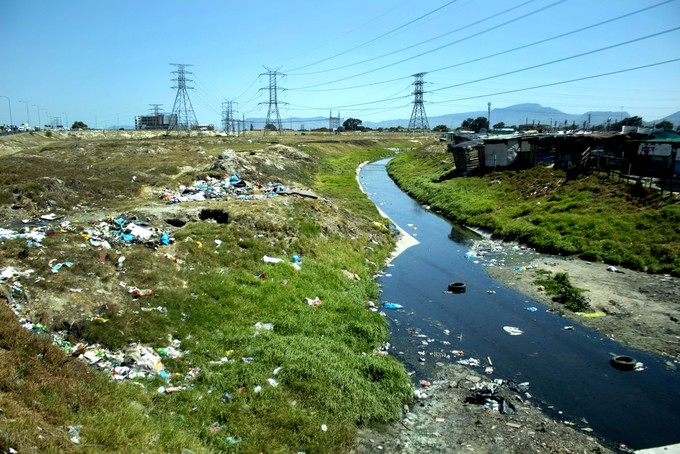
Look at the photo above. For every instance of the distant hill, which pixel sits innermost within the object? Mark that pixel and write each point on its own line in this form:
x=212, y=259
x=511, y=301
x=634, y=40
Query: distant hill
x=513, y=115
x=673, y=118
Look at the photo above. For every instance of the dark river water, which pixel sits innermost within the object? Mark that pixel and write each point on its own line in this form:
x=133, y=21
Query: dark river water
x=568, y=370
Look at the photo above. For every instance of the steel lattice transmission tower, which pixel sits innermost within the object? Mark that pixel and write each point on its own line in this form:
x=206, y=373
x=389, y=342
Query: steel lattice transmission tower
x=273, y=100
x=418, y=120
x=333, y=122
x=182, y=117
x=228, y=119
x=156, y=109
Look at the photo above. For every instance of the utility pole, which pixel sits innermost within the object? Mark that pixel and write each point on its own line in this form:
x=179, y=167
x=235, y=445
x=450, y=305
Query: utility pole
x=9, y=104
x=28, y=118
x=488, y=114
x=38, y=109
x=273, y=107
x=418, y=118
x=182, y=117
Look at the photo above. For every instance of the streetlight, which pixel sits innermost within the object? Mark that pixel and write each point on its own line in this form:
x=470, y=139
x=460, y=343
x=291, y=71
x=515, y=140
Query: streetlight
x=39, y=123
x=28, y=118
x=9, y=103
x=488, y=115
x=49, y=119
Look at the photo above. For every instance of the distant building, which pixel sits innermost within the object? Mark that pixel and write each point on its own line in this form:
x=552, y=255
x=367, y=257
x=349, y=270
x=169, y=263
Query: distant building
x=160, y=121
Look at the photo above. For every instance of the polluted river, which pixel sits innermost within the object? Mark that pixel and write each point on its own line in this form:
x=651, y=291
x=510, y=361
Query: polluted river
x=566, y=366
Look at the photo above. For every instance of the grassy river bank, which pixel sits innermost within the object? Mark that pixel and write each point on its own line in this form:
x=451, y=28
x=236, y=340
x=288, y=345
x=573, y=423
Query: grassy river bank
x=251, y=330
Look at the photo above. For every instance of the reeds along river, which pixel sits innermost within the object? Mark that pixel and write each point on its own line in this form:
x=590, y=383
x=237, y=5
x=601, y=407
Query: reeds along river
x=569, y=370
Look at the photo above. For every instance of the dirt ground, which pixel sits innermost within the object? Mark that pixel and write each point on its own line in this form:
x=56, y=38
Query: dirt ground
x=640, y=310
x=443, y=422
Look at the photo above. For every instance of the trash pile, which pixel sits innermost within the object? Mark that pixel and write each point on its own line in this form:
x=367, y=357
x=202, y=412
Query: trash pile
x=101, y=234
x=494, y=253
x=232, y=187
x=125, y=231
x=136, y=361
x=487, y=394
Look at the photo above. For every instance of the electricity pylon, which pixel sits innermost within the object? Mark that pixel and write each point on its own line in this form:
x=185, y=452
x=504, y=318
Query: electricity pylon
x=182, y=117
x=273, y=107
x=418, y=120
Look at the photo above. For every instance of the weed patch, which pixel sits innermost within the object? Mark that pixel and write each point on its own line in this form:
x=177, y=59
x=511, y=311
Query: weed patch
x=563, y=292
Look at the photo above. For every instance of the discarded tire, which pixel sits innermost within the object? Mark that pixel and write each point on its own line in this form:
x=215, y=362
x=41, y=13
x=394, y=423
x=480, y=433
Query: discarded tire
x=623, y=362
x=457, y=287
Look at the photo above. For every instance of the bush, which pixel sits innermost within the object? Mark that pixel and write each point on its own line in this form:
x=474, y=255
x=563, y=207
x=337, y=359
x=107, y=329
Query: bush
x=563, y=292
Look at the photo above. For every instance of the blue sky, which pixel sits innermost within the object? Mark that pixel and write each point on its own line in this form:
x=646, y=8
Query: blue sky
x=105, y=62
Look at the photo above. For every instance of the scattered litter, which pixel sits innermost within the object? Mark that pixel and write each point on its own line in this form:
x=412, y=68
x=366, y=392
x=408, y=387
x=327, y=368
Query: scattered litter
x=591, y=314
x=140, y=292
x=268, y=259
x=511, y=330
x=532, y=309
x=259, y=326
x=392, y=306
x=485, y=394
x=161, y=309
x=232, y=440
x=74, y=432
x=569, y=328
x=316, y=302
x=420, y=394
x=56, y=267
x=473, y=362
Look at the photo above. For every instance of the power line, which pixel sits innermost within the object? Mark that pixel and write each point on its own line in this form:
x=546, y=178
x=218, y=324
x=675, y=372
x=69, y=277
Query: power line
x=562, y=35
x=552, y=38
x=582, y=54
x=422, y=42
x=552, y=84
x=374, y=39
x=513, y=21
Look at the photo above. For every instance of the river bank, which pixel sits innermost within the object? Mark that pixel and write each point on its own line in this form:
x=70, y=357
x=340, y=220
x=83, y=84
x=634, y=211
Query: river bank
x=634, y=308
x=445, y=416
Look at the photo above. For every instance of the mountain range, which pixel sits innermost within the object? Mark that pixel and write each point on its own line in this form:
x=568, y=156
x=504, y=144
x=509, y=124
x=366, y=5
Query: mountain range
x=522, y=114
x=518, y=114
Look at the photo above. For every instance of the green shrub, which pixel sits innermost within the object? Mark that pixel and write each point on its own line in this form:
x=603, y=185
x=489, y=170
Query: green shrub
x=560, y=288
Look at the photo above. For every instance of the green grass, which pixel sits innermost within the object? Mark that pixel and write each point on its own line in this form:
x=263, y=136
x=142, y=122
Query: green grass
x=592, y=217
x=562, y=291
x=327, y=371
